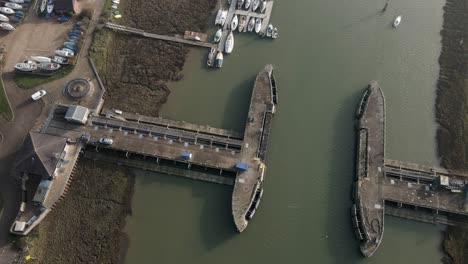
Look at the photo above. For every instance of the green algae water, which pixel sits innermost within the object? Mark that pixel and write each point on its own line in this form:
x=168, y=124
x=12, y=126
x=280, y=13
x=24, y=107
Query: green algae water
x=326, y=53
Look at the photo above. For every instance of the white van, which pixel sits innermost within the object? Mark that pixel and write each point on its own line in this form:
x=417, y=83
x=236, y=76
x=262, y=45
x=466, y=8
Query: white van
x=38, y=95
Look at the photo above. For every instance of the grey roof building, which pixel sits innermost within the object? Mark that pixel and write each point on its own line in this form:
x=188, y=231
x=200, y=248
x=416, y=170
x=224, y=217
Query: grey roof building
x=77, y=114
x=40, y=154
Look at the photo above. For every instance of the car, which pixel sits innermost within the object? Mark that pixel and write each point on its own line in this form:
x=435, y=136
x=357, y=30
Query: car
x=106, y=141
x=38, y=95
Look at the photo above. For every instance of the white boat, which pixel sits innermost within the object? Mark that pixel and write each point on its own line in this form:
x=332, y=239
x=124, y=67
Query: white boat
x=251, y=24
x=13, y=6
x=60, y=60
x=269, y=32
x=219, y=59
x=6, y=26
x=229, y=45
x=275, y=33
x=247, y=4
x=26, y=67
x=240, y=3
x=221, y=17
x=116, y=1
x=397, y=21
x=262, y=6
x=6, y=10
x=211, y=57
x=41, y=59
x=4, y=18
x=255, y=5
x=17, y=1
x=114, y=6
x=65, y=53
x=242, y=23
x=258, y=25
x=218, y=17
x=49, y=66
x=50, y=8
x=43, y=6
x=234, y=22
x=218, y=35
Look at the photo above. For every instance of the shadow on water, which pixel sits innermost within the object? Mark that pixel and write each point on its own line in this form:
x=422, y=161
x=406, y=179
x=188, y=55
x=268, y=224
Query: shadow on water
x=238, y=103
x=342, y=245
x=362, y=20
x=216, y=223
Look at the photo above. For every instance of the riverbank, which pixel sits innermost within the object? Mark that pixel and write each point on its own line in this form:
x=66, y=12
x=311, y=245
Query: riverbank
x=451, y=103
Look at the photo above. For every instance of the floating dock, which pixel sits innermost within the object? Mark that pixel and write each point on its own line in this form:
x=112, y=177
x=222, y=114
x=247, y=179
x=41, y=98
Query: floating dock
x=397, y=188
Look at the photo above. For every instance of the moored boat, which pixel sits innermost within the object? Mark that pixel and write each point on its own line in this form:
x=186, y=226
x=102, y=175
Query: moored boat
x=251, y=24
x=6, y=26
x=219, y=60
x=218, y=35
x=65, y=53
x=41, y=59
x=211, y=57
x=7, y=11
x=247, y=4
x=275, y=33
x=240, y=3
x=262, y=6
x=229, y=45
x=269, y=31
x=49, y=66
x=26, y=67
x=397, y=21
x=258, y=25
x=234, y=22
x=4, y=18
x=13, y=5
x=60, y=60
x=242, y=23
x=255, y=5
x=223, y=17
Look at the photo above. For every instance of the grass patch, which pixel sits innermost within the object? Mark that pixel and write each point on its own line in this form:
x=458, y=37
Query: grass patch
x=4, y=109
x=27, y=81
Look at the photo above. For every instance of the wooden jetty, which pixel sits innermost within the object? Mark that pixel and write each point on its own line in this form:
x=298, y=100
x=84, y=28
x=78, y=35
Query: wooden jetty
x=402, y=189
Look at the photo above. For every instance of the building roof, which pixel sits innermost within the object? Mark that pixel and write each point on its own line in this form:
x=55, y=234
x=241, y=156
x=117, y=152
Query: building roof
x=77, y=113
x=40, y=154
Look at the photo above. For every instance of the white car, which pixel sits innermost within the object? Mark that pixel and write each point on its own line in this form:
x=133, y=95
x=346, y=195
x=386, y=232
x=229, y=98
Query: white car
x=38, y=95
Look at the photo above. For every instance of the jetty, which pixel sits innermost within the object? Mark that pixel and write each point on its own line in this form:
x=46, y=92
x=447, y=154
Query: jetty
x=155, y=144
x=397, y=188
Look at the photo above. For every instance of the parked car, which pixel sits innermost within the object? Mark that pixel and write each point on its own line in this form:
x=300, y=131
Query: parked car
x=106, y=141
x=38, y=95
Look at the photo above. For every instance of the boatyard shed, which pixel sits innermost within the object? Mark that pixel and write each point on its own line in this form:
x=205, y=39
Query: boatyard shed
x=77, y=114
x=40, y=154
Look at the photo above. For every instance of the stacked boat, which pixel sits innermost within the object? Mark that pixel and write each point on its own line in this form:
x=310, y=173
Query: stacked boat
x=252, y=5
x=37, y=63
x=11, y=12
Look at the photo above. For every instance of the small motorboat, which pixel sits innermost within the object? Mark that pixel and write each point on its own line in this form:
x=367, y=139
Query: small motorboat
x=397, y=21
x=258, y=25
x=26, y=67
x=15, y=19
x=218, y=17
x=255, y=5
x=69, y=43
x=114, y=6
x=275, y=33
x=269, y=31
x=229, y=45
x=60, y=60
x=251, y=24
x=218, y=36
x=65, y=53
x=70, y=47
x=262, y=6
x=221, y=17
x=247, y=4
x=69, y=50
x=4, y=18
x=43, y=6
x=211, y=57
x=6, y=26
x=13, y=5
x=19, y=12
x=17, y=1
x=7, y=11
x=49, y=66
x=116, y=2
x=41, y=59
x=240, y=3
x=242, y=23
x=50, y=7
x=234, y=22
x=63, y=19
x=219, y=60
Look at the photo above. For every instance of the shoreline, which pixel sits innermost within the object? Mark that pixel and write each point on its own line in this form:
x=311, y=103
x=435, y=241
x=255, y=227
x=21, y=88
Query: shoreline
x=450, y=104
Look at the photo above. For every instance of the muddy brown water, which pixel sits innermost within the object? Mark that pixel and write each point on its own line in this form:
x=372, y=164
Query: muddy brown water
x=325, y=55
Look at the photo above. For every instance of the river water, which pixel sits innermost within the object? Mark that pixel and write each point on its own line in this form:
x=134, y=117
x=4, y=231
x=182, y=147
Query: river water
x=326, y=53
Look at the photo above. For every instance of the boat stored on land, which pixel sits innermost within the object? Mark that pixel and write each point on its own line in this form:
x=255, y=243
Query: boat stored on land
x=4, y=18
x=6, y=26
x=251, y=24
x=50, y=7
x=41, y=59
x=6, y=10
x=219, y=60
x=13, y=6
x=26, y=67
x=65, y=53
x=229, y=46
x=234, y=22
x=49, y=66
x=60, y=60
x=218, y=35
x=258, y=25
x=397, y=21
x=17, y=1
x=242, y=23
x=43, y=6
x=211, y=57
